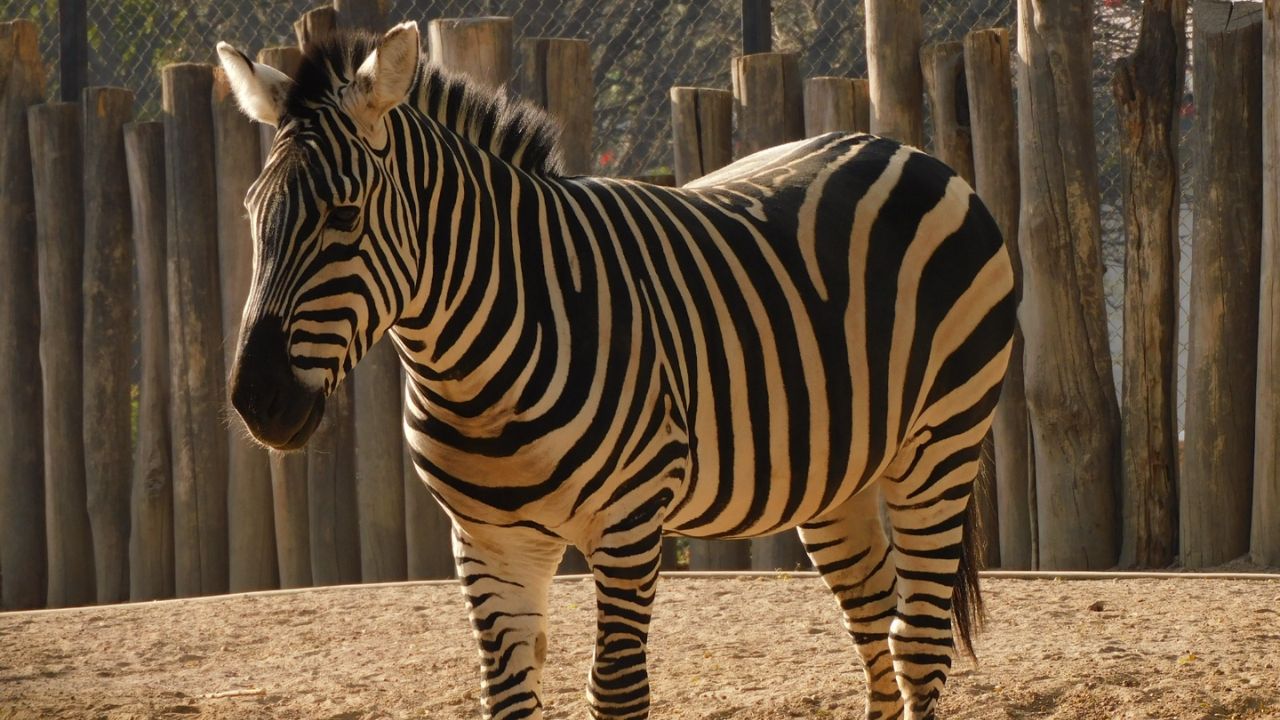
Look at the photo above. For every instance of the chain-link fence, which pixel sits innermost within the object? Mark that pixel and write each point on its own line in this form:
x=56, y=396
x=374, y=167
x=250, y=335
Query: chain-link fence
x=640, y=49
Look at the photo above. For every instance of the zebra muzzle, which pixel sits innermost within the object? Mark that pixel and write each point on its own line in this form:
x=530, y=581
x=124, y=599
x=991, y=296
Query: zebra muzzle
x=278, y=410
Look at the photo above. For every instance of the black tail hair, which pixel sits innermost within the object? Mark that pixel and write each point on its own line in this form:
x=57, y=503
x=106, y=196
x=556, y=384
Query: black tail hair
x=967, y=610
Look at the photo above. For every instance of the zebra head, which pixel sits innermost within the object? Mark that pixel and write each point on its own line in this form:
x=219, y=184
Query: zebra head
x=326, y=214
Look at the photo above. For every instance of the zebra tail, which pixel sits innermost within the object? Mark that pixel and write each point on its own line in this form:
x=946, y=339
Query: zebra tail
x=967, y=610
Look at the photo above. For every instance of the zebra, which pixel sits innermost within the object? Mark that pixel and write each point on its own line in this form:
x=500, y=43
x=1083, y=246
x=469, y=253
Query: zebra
x=598, y=362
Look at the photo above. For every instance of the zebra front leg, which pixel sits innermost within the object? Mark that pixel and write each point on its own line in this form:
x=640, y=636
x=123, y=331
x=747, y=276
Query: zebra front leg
x=505, y=575
x=849, y=548
x=927, y=508
x=625, y=566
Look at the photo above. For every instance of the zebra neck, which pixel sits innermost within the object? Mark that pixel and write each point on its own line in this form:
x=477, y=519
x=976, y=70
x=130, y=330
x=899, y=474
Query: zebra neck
x=476, y=338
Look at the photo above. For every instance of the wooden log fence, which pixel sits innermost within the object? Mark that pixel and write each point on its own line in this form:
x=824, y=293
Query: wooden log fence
x=189, y=507
x=1265, y=538
x=1221, y=363
x=56, y=172
x=151, y=505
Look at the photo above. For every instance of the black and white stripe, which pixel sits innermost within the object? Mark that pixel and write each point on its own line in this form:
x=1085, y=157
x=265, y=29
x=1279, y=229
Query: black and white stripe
x=596, y=361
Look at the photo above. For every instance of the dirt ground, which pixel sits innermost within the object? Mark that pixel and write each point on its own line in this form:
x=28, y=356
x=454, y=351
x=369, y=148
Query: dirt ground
x=756, y=649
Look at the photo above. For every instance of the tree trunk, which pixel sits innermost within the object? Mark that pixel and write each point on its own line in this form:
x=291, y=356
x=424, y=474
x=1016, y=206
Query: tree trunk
x=556, y=76
x=1265, y=542
x=22, y=527
x=894, y=32
x=251, y=526
x=108, y=335
x=57, y=176
x=1148, y=92
x=1214, y=507
x=151, y=534
x=1069, y=384
x=477, y=47
x=195, y=334
x=989, y=81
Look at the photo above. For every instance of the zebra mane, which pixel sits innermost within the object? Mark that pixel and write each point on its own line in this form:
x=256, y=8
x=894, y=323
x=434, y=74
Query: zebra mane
x=512, y=129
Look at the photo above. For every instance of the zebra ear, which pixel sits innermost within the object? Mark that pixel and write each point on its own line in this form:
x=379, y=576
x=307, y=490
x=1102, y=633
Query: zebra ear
x=384, y=78
x=259, y=89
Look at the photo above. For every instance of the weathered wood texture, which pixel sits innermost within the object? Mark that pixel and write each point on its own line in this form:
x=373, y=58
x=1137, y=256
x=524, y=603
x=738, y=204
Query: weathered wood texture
x=151, y=536
x=1148, y=91
x=1265, y=541
x=22, y=529
x=768, y=101
x=942, y=65
x=894, y=32
x=250, y=522
x=380, y=464
x=331, y=493
x=769, y=110
x=836, y=103
x=946, y=87
x=1215, y=503
x=720, y=554
x=1069, y=386
x=363, y=14
x=108, y=334
x=291, y=518
x=56, y=172
x=288, y=471
x=989, y=79
x=477, y=47
x=286, y=59
x=701, y=131
x=195, y=334
x=556, y=75
x=315, y=24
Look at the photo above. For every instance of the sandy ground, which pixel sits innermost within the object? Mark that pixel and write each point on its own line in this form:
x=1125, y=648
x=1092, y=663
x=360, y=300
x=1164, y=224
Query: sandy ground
x=757, y=649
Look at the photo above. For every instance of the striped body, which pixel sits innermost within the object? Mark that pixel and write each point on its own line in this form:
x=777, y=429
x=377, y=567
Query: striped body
x=596, y=362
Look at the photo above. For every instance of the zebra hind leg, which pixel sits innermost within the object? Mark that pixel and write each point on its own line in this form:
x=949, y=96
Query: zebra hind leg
x=849, y=548
x=928, y=508
x=505, y=574
x=625, y=566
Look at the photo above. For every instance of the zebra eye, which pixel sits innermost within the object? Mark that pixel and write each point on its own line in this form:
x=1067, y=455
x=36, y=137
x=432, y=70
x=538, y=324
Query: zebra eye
x=343, y=218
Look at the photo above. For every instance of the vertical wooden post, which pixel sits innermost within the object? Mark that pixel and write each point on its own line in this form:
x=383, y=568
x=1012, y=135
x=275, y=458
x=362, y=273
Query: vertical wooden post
x=286, y=59
x=151, y=536
x=757, y=26
x=1222, y=361
x=195, y=334
x=836, y=103
x=768, y=101
x=702, y=142
x=73, y=48
x=478, y=47
x=1148, y=91
x=942, y=65
x=1265, y=541
x=108, y=335
x=315, y=24
x=291, y=518
x=428, y=529
x=379, y=464
x=22, y=525
x=556, y=75
x=288, y=471
x=56, y=172
x=769, y=107
x=1069, y=386
x=988, y=76
x=894, y=32
x=250, y=526
x=368, y=15
x=331, y=493
x=701, y=131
